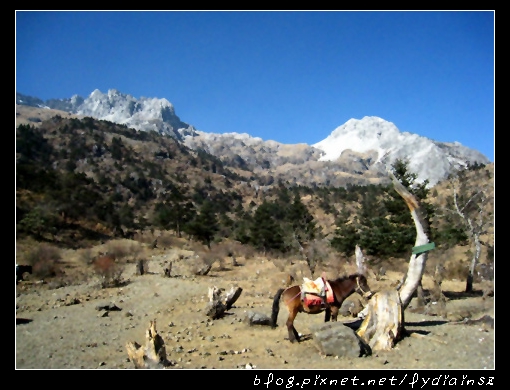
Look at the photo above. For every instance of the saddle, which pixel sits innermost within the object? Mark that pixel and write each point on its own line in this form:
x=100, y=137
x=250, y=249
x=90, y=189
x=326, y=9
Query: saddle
x=316, y=293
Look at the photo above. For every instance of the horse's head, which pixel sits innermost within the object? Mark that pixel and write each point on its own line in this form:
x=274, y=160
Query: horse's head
x=362, y=287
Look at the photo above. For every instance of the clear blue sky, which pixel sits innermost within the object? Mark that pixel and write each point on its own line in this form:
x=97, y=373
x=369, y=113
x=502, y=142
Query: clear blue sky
x=289, y=76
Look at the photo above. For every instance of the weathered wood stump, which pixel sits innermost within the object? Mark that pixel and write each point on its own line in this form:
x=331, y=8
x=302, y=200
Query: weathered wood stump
x=382, y=326
x=220, y=302
x=153, y=355
x=383, y=323
x=203, y=270
x=141, y=267
x=168, y=271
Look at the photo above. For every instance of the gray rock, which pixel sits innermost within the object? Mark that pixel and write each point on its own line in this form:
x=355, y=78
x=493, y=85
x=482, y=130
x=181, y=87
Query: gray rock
x=254, y=318
x=337, y=339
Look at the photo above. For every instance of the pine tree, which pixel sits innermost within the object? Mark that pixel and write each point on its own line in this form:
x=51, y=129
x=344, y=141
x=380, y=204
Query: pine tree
x=205, y=225
x=346, y=236
x=303, y=224
x=266, y=232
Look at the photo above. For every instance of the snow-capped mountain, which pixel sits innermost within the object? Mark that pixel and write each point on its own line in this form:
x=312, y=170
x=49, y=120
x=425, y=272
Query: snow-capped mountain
x=357, y=152
x=427, y=158
x=142, y=114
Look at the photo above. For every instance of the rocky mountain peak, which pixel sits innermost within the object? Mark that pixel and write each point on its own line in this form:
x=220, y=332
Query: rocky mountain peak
x=357, y=152
x=429, y=159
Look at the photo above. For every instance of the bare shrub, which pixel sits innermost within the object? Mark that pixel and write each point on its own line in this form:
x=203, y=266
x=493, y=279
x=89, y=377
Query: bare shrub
x=194, y=246
x=336, y=265
x=44, y=259
x=124, y=250
x=145, y=237
x=233, y=250
x=232, y=247
x=218, y=254
x=281, y=264
x=228, y=251
x=315, y=253
x=117, y=248
x=86, y=256
x=456, y=270
x=167, y=240
x=109, y=271
x=246, y=251
x=299, y=270
x=379, y=267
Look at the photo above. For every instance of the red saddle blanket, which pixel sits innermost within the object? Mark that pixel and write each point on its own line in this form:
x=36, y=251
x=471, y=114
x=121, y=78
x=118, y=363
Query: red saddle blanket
x=313, y=299
x=310, y=299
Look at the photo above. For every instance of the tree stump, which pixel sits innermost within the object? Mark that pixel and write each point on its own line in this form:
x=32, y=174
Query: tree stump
x=383, y=323
x=153, y=355
x=168, y=271
x=232, y=296
x=203, y=270
x=384, y=318
x=220, y=302
x=141, y=267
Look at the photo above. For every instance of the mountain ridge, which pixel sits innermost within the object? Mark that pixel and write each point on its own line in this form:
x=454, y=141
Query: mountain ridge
x=359, y=151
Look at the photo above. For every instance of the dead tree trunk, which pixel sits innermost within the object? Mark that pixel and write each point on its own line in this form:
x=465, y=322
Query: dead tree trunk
x=153, y=355
x=231, y=296
x=474, y=260
x=141, y=267
x=360, y=261
x=383, y=324
x=220, y=302
x=168, y=271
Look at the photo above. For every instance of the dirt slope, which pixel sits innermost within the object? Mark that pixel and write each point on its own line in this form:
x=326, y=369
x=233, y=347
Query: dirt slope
x=63, y=328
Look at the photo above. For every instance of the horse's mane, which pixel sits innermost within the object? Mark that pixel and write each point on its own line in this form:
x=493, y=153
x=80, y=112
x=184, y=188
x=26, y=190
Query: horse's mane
x=345, y=277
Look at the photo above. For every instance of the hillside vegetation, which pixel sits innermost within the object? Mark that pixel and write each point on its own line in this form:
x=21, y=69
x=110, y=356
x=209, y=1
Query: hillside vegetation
x=82, y=182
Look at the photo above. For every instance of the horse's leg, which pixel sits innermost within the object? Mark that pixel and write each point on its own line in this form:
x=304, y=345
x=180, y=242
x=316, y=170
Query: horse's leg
x=334, y=313
x=293, y=334
x=327, y=315
x=296, y=334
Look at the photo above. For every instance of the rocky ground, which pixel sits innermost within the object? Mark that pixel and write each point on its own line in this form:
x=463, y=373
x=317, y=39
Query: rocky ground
x=87, y=327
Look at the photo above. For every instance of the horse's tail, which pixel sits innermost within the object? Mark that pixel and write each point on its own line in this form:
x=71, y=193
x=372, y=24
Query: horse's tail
x=276, y=307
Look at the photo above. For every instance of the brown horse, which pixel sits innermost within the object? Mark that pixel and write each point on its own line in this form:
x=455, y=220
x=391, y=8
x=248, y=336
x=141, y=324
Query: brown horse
x=292, y=296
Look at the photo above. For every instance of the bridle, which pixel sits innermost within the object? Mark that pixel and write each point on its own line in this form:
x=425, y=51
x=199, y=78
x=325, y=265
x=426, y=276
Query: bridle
x=360, y=291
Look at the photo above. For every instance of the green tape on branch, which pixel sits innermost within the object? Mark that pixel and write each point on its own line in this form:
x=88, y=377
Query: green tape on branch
x=423, y=248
